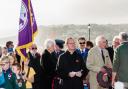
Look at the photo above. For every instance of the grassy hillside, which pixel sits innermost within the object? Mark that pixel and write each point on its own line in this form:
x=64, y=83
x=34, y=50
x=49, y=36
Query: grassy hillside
x=63, y=31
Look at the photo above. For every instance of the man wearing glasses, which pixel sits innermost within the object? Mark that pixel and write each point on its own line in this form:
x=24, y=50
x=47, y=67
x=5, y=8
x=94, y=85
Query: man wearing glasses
x=82, y=50
x=34, y=57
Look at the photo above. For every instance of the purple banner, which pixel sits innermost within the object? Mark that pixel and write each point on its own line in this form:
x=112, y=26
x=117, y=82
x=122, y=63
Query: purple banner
x=33, y=21
x=27, y=28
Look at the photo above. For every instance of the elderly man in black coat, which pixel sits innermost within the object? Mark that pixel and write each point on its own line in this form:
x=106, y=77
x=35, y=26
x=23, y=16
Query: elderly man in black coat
x=34, y=57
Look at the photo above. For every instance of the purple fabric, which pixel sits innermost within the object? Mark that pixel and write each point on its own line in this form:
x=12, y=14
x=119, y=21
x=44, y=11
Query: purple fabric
x=27, y=27
x=33, y=20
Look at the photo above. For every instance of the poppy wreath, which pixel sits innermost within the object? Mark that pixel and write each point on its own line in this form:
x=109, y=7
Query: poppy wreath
x=104, y=78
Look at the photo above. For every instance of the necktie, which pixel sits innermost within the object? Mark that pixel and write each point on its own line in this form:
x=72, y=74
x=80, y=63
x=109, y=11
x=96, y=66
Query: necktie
x=102, y=55
x=82, y=51
x=57, y=54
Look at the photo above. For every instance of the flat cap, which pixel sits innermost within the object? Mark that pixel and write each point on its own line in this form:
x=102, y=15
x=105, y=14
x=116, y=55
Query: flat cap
x=60, y=43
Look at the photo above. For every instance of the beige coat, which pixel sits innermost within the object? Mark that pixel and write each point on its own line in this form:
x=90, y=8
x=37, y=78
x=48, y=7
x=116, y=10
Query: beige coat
x=95, y=63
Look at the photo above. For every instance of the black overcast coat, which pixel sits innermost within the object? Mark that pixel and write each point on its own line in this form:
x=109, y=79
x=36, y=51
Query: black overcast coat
x=35, y=64
x=48, y=62
x=68, y=63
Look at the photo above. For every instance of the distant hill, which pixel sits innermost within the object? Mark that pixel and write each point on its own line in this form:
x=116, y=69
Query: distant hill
x=5, y=39
x=64, y=31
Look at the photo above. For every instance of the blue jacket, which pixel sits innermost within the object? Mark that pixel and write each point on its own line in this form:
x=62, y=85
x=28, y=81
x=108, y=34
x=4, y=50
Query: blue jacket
x=10, y=80
x=83, y=54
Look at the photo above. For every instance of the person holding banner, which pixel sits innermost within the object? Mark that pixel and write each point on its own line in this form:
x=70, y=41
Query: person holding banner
x=34, y=57
x=29, y=75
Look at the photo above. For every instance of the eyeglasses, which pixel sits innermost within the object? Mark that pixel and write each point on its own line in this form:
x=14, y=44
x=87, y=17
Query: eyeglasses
x=3, y=64
x=34, y=48
x=71, y=43
x=82, y=43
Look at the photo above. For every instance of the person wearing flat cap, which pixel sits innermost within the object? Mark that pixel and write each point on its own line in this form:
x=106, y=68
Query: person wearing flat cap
x=58, y=47
x=59, y=44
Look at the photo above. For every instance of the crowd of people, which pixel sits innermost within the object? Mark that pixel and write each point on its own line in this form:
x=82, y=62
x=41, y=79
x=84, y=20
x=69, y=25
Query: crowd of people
x=66, y=65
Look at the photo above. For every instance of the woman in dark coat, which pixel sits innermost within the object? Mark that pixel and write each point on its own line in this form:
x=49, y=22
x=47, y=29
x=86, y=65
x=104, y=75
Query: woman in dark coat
x=71, y=67
x=48, y=62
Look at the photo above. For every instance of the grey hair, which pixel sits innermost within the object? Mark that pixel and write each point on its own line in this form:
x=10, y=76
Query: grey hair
x=98, y=39
x=123, y=36
x=48, y=43
x=115, y=37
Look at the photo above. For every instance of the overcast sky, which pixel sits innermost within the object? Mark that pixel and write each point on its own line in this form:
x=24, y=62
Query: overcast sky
x=49, y=12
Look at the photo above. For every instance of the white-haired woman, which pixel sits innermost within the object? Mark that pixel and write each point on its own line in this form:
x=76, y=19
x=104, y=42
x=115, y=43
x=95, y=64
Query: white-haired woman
x=48, y=62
